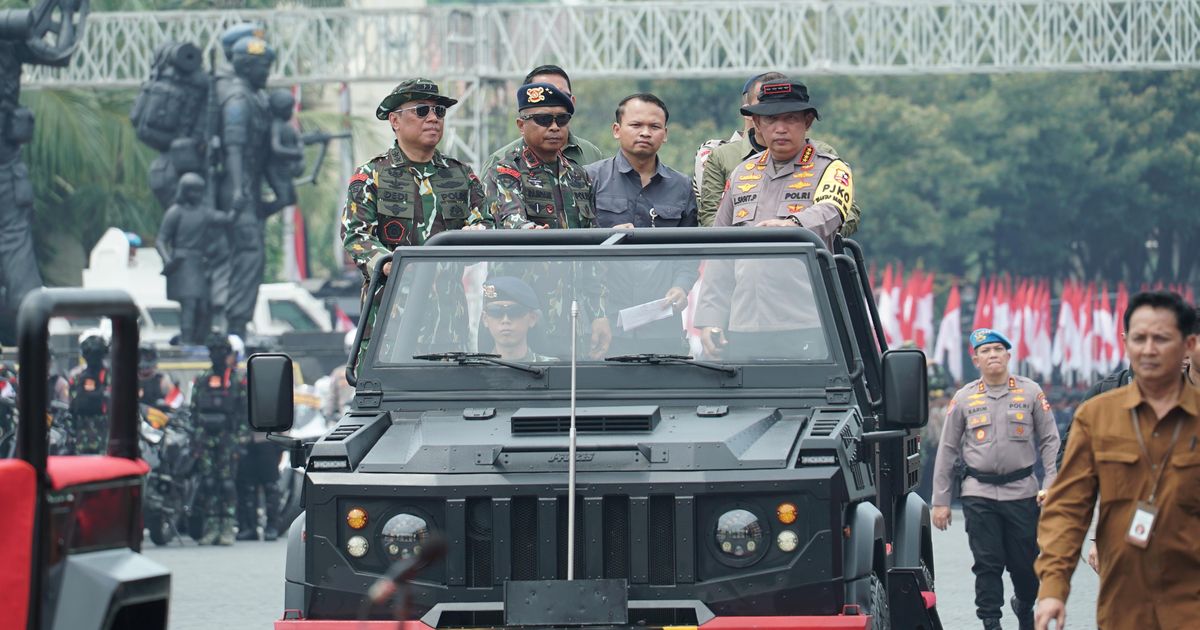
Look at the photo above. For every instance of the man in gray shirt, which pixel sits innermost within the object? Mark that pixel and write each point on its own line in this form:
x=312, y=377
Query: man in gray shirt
x=635, y=189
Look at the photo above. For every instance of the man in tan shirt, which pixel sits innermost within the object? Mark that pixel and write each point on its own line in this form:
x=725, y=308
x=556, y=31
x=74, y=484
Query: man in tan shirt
x=1136, y=447
x=997, y=424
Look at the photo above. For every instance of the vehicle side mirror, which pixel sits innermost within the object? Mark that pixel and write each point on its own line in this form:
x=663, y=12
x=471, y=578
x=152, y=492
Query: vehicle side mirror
x=905, y=388
x=269, y=379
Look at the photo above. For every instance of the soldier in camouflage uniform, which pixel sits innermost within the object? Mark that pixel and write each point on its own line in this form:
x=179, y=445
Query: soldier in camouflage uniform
x=218, y=413
x=411, y=192
x=90, y=397
x=535, y=185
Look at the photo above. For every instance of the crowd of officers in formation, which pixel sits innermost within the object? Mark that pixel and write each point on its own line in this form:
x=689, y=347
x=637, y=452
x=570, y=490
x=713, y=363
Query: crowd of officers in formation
x=231, y=466
x=1134, y=447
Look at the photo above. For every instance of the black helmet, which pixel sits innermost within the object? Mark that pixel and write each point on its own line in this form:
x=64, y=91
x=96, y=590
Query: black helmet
x=218, y=343
x=93, y=345
x=147, y=357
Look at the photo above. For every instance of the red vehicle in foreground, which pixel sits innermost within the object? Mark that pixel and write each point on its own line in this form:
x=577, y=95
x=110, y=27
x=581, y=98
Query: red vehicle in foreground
x=72, y=529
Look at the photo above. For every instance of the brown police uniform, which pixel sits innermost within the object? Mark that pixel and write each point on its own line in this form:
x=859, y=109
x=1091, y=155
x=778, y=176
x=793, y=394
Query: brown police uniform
x=998, y=431
x=815, y=187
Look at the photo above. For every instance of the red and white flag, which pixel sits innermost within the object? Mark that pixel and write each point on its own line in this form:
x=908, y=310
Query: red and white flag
x=948, y=348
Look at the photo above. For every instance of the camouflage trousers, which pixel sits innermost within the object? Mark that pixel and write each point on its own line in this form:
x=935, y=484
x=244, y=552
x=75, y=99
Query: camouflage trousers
x=216, y=470
x=89, y=434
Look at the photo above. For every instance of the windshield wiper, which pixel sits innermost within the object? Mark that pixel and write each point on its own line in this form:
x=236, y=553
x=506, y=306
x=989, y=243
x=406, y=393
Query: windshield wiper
x=656, y=359
x=476, y=358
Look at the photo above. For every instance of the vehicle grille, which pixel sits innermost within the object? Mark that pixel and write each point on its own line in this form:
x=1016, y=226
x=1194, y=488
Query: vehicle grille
x=617, y=536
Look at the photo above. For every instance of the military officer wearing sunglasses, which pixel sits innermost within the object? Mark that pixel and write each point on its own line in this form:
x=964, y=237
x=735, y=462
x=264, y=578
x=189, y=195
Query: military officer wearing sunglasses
x=413, y=191
x=410, y=193
x=535, y=186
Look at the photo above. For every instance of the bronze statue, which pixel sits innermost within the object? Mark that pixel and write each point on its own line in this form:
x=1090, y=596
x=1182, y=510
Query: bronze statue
x=46, y=35
x=187, y=228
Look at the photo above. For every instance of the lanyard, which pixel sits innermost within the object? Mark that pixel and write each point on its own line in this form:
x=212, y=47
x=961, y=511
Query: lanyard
x=1137, y=430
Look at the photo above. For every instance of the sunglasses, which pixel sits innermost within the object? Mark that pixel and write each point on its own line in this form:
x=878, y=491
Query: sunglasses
x=423, y=110
x=544, y=120
x=500, y=311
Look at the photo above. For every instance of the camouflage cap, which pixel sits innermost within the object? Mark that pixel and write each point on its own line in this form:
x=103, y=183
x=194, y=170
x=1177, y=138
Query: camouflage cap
x=412, y=90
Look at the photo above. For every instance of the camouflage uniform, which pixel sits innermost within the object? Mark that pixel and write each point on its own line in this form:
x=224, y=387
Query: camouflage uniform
x=218, y=413
x=386, y=205
x=523, y=191
x=88, y=422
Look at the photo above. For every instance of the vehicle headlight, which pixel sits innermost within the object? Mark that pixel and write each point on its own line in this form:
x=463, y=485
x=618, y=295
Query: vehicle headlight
x=787, y=541
x=357, y=546
x=740, y=538
x=403, y=535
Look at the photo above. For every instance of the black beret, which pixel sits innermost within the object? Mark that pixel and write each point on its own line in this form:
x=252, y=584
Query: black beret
x=543, y=95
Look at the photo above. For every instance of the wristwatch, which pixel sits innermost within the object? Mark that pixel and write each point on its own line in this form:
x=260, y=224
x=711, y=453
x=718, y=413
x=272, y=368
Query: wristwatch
x=795, y=219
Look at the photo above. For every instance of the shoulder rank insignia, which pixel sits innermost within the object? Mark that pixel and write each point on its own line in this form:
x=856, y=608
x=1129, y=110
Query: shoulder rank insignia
x=806, y=155
x=746, y=187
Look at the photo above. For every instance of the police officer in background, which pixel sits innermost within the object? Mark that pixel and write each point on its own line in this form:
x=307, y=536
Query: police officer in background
x=998, y=424
x=90, y=396
x=218, y=414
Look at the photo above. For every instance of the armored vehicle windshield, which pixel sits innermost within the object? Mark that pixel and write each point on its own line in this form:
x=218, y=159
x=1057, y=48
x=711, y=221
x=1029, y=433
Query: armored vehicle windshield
x=750, y=309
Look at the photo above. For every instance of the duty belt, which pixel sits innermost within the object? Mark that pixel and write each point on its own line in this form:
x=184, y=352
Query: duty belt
x=999, y=480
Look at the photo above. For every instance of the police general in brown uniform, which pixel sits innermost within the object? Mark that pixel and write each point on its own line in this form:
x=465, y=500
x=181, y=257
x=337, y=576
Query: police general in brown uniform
x=997, y=424
x=792, y=182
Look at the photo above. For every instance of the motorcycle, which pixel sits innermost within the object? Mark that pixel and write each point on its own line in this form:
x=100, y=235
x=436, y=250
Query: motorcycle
x=171, y=485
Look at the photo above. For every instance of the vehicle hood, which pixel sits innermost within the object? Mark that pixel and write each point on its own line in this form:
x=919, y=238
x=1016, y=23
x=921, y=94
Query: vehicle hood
x=610, y=438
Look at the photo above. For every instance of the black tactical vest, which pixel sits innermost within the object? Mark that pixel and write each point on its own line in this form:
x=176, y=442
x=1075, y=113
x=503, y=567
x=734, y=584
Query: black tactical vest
x=215, y=402
x=150, y=390
x=89, y=395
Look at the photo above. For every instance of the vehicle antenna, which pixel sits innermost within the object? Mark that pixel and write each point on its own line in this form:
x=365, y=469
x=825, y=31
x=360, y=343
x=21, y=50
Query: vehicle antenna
x=571, y=451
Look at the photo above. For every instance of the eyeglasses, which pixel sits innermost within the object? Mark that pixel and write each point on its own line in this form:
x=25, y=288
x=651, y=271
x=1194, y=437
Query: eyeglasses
x=544, y=120
x=500, y=311
x=423, y=110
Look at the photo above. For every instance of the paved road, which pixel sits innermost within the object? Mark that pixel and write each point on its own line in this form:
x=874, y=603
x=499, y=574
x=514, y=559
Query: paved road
x=242, y=586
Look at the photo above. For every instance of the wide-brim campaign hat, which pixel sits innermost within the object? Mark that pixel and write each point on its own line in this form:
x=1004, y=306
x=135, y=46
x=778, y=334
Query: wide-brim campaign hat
x=781, y=97
x=412, y=90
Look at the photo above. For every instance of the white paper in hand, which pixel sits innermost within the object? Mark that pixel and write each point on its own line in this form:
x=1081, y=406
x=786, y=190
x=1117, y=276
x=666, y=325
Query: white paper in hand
x=642, y=314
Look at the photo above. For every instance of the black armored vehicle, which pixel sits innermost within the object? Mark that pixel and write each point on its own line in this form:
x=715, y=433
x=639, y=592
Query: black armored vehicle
x=539, y=439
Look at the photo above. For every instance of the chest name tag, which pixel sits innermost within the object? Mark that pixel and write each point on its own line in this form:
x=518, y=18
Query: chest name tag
x=1141, y=526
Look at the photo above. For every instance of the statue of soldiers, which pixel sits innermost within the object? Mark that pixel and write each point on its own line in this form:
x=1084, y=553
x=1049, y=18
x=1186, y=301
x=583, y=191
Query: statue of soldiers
x=287, y=153
x=187, y=229
x=218, y=413
x=245, y=129
x=45, y=35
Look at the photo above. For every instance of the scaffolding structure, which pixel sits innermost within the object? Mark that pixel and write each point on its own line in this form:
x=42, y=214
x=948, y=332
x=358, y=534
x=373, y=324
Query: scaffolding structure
x=475, y=48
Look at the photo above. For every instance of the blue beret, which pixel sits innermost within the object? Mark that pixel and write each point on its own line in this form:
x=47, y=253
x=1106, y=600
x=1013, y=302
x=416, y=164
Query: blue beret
x=231, y=35
x=510, y=289
x=987, y=335
x=543, y=95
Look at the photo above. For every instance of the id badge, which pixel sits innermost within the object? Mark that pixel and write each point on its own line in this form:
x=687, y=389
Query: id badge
x=1142, y=525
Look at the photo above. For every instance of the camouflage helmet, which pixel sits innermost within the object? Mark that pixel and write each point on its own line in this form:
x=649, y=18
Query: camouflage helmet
x=412, y=90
